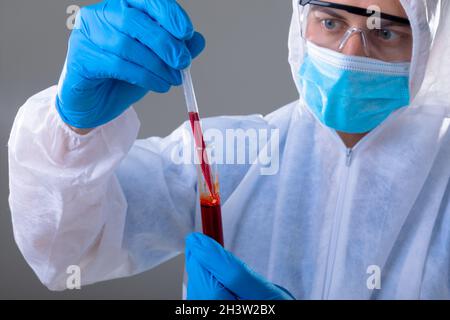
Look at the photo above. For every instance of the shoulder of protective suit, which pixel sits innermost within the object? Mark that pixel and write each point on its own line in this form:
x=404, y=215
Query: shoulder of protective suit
x=234, y=122
x=277, y=119
x=282, y=116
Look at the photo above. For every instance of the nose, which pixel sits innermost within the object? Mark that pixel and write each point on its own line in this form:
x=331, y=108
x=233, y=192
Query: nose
x=354, y=46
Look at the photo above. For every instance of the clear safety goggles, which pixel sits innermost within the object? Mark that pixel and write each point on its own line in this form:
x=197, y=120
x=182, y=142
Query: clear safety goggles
x=332, y=25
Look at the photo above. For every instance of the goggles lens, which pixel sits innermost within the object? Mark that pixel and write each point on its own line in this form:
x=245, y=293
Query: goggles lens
x=379, y=38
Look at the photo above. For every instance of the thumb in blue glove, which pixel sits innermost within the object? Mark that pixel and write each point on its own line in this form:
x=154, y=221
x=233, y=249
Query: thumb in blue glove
x=216, y=274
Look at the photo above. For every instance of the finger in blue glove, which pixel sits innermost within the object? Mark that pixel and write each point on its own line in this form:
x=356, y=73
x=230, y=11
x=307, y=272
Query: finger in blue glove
x=201, y=283
x=118, y=52
x=212, y=267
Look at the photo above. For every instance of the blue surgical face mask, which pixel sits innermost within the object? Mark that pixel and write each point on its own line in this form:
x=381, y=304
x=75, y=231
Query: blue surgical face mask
x=352, y=94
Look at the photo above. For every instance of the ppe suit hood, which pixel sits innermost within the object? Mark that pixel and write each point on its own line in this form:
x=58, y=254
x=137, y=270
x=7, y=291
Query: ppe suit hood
x=431, y=31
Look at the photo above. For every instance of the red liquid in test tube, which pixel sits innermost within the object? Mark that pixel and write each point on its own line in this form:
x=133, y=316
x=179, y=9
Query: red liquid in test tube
x=201, y=148
x=208, y=179
x=212, y=217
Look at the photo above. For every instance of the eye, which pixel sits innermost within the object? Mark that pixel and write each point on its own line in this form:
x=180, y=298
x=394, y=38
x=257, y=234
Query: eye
x=329, y=24
x=387, y=35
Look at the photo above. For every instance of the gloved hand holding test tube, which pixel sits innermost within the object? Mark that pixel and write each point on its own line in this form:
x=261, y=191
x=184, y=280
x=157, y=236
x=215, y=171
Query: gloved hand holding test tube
x=208, y=185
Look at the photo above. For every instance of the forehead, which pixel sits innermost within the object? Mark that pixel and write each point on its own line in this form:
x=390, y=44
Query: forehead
x=392, y=7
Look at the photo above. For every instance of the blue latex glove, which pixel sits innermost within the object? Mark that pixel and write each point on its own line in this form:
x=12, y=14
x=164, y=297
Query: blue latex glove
x=118, y=52
x=216, y=274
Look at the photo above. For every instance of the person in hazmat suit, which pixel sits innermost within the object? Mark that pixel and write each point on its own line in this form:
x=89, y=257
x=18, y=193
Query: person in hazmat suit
x=358, y=208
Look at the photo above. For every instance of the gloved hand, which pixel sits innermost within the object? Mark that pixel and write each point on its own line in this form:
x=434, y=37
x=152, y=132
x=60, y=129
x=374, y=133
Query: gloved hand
x=118, y=52
x=216, y=274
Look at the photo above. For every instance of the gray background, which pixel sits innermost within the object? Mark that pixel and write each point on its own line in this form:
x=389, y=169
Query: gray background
x=244, y=70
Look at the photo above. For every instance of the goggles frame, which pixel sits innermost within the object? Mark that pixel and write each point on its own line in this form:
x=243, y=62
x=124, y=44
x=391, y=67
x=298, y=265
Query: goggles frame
x=354, y=10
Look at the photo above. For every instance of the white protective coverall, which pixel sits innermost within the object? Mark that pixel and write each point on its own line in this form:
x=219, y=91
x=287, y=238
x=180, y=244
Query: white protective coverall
x=117, y=207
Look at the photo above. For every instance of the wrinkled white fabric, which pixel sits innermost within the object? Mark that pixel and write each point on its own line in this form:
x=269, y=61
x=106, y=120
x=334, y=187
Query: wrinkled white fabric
x=117, y=207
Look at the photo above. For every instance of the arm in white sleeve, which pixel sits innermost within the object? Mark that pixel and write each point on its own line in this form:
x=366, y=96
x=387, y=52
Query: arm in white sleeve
x=69, y=206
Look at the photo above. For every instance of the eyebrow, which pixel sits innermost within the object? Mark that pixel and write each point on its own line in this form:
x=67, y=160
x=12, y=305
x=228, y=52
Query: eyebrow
x=388, y=23
x=330, y=12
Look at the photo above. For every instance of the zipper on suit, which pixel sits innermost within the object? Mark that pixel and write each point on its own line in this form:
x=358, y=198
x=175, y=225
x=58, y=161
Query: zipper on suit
x=348, y=157
x=334, y=238
x=346, y=167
